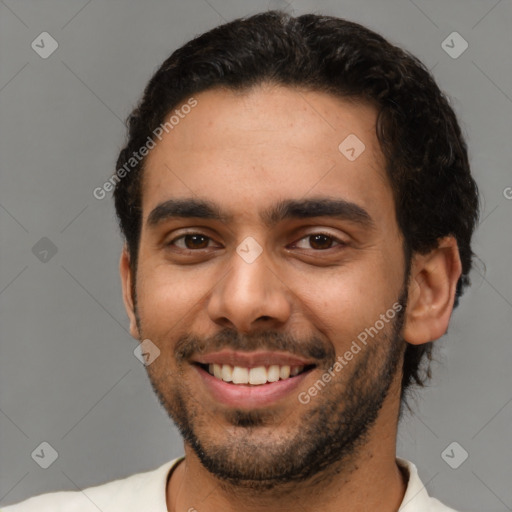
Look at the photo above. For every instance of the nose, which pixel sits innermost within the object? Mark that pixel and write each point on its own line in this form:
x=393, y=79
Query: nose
x=250, y=296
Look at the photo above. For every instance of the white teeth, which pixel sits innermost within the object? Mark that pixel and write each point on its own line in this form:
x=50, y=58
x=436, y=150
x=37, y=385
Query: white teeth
x=273, y=373
x=258, y=375
x=240, y=375
x=227, y=373
x=254, y=376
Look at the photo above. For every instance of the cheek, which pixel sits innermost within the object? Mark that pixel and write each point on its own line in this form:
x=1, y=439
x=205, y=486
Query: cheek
x=166, y=298
x=344, y=302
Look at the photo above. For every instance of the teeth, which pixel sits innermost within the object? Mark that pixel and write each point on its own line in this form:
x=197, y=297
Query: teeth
x=284, y=372
x=273, y=373
x=254, y=376
x=240, y=375
x=295, y=370
x=217, y=371
x=258, y=375
x=227, y=373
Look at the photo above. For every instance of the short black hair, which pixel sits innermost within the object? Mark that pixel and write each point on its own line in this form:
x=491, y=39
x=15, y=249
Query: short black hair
x=426, y=154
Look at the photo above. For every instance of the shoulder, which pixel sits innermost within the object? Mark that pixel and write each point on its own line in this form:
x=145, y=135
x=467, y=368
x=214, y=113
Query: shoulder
x=416, y=497
x=141, y=491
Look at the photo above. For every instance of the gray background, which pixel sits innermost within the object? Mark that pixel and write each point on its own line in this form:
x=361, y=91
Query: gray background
x=68, y=375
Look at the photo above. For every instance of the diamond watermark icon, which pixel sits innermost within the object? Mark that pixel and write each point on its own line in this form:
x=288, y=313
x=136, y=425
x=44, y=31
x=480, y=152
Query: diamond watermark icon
x=45, y=455
x=352, y=147
x=146, y=352
x=454, y=455
x=454, y=45
x=44, y=45
x=249, y=249
x=44, y=250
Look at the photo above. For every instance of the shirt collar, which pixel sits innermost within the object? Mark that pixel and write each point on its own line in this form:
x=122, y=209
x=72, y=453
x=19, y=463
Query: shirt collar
x=416, y=496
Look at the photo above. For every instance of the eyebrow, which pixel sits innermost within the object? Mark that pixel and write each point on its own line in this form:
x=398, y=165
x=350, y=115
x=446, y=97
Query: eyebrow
x=283, y=210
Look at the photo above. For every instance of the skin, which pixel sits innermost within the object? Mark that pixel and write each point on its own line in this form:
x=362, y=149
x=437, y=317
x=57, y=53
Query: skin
x=247, y=151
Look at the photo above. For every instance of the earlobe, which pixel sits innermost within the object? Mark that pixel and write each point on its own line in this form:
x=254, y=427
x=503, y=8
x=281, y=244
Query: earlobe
x=126, y=282
x=432, y=287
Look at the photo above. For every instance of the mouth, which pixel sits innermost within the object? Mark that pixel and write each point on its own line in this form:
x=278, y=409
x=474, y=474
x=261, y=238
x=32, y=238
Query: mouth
x=251, y=380
x=255, y=376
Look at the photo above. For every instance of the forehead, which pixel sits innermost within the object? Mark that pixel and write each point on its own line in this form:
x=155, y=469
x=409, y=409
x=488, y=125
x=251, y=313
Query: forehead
x=267, y=144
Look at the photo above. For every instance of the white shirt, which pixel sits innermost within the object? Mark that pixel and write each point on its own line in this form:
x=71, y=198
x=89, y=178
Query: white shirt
x=146, y=492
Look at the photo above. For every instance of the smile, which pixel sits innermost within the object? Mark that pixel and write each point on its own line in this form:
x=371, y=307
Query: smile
x=251, y=379
x=256, y=376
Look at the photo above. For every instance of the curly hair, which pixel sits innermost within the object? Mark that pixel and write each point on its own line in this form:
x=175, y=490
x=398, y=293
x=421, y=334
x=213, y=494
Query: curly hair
x=426, y=154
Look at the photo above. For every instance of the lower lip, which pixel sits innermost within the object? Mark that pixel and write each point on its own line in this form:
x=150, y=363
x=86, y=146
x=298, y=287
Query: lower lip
x=247, y=396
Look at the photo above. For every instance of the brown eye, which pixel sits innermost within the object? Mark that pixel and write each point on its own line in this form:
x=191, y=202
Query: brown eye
x=196, y=241
x=320, y=241
x=191, y=241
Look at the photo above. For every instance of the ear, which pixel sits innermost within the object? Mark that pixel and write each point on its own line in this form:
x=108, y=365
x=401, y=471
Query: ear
x=126, y=282
x=432, y=286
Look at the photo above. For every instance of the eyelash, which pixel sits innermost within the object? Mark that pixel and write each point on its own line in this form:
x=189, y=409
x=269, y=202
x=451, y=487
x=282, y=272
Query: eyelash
x=340, y=243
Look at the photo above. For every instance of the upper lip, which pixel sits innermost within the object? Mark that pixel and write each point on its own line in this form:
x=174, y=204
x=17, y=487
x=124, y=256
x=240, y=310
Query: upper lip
x=251, y=359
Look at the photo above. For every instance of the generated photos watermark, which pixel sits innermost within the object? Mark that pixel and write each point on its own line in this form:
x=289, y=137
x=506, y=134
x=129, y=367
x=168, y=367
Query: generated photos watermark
x=137, y=156
x=304, y=397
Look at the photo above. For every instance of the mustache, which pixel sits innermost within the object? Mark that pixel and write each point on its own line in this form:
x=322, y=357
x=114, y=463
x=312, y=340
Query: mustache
x=313, y=348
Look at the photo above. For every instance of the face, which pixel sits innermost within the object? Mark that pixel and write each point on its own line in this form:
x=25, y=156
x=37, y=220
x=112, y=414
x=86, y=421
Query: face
x=267, y=256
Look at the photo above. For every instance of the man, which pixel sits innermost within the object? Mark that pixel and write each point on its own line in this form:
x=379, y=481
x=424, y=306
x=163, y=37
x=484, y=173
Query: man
x=298, y=207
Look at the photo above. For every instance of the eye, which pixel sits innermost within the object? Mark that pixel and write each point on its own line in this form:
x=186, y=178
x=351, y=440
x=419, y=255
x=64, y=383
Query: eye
x=320, y=241
x=191, y=241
